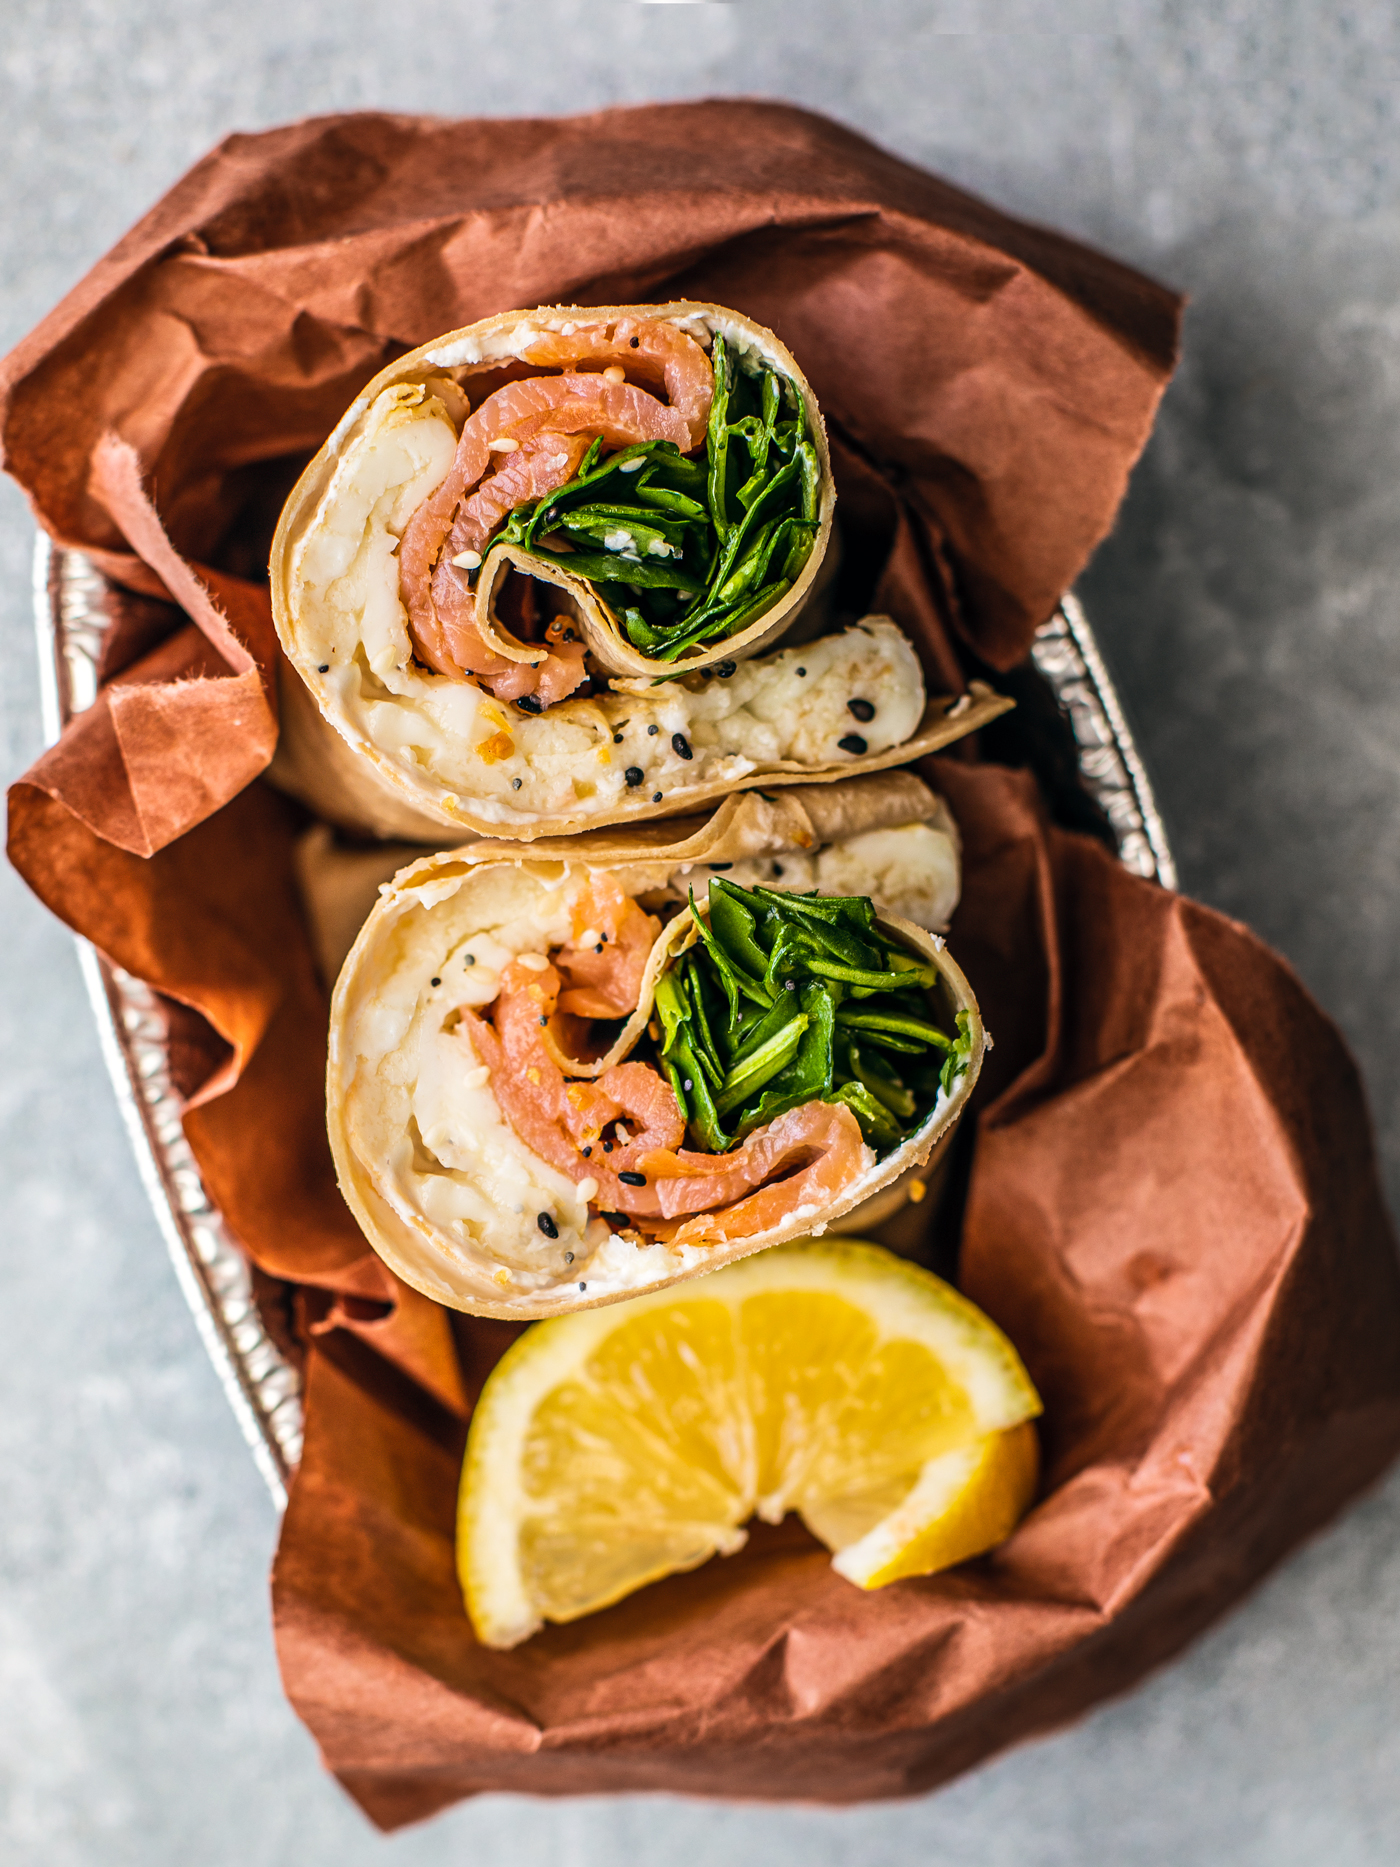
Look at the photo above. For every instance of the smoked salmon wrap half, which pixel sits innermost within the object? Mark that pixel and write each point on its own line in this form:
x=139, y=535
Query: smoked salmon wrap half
x=564, y=1074
x=533, y=583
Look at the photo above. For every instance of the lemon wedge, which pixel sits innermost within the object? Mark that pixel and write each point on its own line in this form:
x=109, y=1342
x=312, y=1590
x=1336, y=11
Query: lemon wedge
x=613, y=1446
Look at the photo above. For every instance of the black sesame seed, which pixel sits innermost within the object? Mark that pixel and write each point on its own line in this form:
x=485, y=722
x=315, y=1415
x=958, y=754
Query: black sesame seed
x=617, y=739
x=656, y=797
x=852, y=743
x=546, y=1225
x=652, y=731
x=599, y=947
x=469, y=959
x=568, y=1257
x=586, y=1152
x=863, y=710
x=516, y=783
x=721, y=865
x=777, y=868
x=633, y=1179
x=583, y=1286
x=680, y=745
x=725, y=669
x=544, y=1020
x=634, y=776
x=437, y=981
x=615, y=1219
x=803, y=673
x=635, y=342
x=529, y=703
x=607, y=1147
x=324, y=668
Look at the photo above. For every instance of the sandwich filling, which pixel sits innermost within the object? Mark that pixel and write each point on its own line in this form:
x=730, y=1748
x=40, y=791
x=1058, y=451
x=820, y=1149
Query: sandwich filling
x=788, y=1044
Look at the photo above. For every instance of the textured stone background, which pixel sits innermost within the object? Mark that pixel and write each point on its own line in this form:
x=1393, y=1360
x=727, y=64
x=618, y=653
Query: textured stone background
x=1244, y=149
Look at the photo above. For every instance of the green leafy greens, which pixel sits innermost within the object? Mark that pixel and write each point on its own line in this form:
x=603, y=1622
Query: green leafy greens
x=786, y=999
x=690, y=549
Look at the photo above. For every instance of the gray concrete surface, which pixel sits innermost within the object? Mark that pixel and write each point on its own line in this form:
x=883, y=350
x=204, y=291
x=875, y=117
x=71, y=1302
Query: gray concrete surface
x=1244, y=149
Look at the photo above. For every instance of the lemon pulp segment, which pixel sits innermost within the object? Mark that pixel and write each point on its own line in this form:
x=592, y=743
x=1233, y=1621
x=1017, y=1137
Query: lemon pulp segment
x=614, y=1446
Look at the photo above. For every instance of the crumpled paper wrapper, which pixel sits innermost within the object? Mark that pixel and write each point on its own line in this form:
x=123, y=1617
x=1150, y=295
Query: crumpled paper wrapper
x=1167, y=1196
x=987, y=385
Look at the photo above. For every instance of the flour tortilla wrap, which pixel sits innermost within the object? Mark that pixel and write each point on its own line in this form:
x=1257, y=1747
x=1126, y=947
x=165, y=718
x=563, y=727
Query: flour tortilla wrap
x=445, y=1188
x=839, y=835
x=423, y=399
x=378, y=738
x=571, y=767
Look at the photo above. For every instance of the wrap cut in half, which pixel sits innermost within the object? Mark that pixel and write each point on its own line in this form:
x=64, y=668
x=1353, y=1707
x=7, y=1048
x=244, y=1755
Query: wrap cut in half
x=517, y=531
x=562, y=1075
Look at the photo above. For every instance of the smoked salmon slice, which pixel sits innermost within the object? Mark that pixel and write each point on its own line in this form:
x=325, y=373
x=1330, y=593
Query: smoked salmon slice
x=550, y=422
x=603, y=975
x=628, y=1121
x=645, y=347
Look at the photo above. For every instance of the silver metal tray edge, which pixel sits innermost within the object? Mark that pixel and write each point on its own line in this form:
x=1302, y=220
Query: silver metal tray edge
x=263, y=1387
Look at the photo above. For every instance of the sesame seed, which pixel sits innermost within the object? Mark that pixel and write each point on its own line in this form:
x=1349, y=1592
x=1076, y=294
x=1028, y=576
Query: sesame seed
x=725, y=669
x=599, y=947
x=529, y=703
x=544, y=1020
x=607, y=1147
x=680, y=745
x=532, y=962
x=633, y=1179
x=617, y=739
x=468, y=560
x=583, y=1286
x=586, y=1152
x=656, y=797
x=437, y=981
x=652, y=731
x=688, y=1085
x=635, y=342
x=588, y=1189
x=516, y=783
x=568, y=1257
x=803, y=673
x=614, y=374
x=777, y=868
x=634, y=776
x=721, y=865
x=503, y=444
x=852, y=743
x=469, y=959
x=546, y=1225
x=862, y=710
x=324, y=668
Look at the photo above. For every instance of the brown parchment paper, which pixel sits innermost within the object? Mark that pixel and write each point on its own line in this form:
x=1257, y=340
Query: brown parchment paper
x=1166, y=1195
x=987, y=385
x=1172, y=1210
